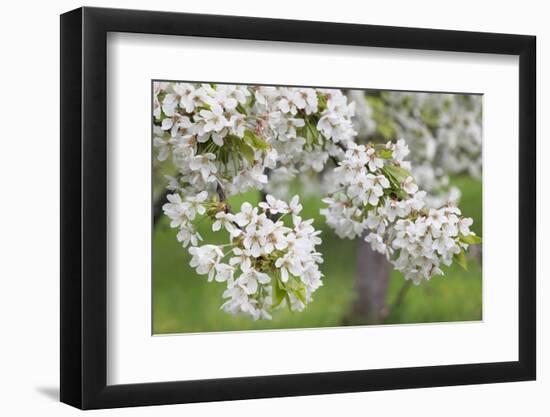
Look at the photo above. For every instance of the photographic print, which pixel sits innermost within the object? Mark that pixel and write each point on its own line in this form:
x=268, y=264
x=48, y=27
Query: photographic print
x=290, y=207
x=342, y=213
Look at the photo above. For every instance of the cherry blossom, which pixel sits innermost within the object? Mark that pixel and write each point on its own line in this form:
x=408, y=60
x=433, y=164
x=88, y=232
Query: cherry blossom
x=224, y=139
x=393, y=215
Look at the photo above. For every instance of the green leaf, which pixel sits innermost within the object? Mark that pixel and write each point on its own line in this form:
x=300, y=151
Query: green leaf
x=298, y=289
x=241, y=109
x=400, y=193
x=246, y=151
x=278, y=293
x=252, y=139
x=470, y=239
x=393, y=181
x=310, y=133
x=231, y=140
x=301, y=295
x=400, y=174
x=395, y=184
x=162, y=115
x=385, y=154
x=460, y=259
x=321, y=102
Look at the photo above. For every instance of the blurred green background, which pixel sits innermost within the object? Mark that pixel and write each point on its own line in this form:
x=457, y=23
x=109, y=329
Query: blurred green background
x=185, y=302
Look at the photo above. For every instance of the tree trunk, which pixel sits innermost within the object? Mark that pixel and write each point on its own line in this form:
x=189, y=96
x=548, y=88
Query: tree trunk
x=371, y=286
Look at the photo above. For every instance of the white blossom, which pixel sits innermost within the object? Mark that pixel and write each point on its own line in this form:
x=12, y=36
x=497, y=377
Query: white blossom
x=373, y=161
x=226, y=220
x=274, y=205
x=204, y=258
x=423, y=239
x=225, y=139
x=204, y=164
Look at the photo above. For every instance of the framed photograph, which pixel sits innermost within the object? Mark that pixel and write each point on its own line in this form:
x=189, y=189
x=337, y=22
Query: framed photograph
x=256, y=208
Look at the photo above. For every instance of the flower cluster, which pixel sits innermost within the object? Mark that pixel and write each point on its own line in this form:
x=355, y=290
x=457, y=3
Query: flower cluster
x=234, y=135
x=443, y=130
x=306, y=127
x=379, y=200
x=426, y=240
x=182, y=212
x=216, y=140
x=226, y=139
x=208, y=134
x=267, y=263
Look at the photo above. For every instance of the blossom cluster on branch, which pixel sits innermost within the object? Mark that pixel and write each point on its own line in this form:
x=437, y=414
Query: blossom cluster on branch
x=230, y=134
x=378, y=199
x=270, y=259
x=443, y=131
x=223, y=140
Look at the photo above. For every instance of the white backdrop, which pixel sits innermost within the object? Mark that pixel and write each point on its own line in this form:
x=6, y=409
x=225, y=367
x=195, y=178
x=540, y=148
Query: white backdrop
x=29, y=218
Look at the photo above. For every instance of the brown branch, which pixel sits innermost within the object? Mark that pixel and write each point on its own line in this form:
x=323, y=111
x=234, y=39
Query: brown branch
x=223, y=199
x=339, y=144
x=159, y=202
x=222, y=196
x=157, y=207
x=400, y=295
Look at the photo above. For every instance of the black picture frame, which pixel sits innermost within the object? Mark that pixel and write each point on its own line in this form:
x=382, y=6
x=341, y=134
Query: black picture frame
x=84, y=207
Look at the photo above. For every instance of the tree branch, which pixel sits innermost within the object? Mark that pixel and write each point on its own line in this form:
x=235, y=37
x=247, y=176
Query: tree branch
x=223, y=199
x=222, y=196
x=400, y=295
x=157, y=207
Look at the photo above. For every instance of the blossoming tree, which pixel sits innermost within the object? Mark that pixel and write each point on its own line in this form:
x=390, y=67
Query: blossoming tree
x=225, y=139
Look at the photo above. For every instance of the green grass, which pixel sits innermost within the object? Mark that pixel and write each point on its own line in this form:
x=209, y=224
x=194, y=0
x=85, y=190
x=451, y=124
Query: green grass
x=185, y=302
